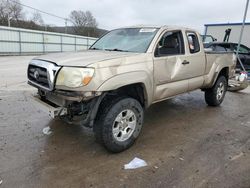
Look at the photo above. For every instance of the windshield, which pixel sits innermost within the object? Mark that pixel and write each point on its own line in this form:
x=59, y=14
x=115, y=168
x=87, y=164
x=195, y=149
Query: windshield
x=128, y=40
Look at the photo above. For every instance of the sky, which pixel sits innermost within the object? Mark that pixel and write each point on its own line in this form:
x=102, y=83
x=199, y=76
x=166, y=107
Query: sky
x=111, y=14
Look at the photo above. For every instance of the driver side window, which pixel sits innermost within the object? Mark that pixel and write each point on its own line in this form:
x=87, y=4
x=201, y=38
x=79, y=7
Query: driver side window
x=171, y=43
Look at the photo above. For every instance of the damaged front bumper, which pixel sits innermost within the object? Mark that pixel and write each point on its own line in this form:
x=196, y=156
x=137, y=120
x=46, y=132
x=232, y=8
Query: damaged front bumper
x=77, y=107
x=52, y=110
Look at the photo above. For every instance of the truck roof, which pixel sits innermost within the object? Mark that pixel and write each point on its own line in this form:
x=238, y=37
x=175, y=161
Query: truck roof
x=160, y=27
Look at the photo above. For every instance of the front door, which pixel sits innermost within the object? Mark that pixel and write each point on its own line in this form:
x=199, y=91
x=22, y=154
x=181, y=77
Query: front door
x=170, y=66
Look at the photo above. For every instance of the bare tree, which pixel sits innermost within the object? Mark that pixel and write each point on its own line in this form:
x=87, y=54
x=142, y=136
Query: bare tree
x=15, y=10
x=84, y=22
x=37, y=18
x=3, y=12
x=11, y=9
x=83, y=19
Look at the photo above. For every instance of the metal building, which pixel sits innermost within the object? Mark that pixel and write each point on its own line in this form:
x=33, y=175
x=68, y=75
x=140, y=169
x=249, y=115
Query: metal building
x=218, y=32
x=16, y=41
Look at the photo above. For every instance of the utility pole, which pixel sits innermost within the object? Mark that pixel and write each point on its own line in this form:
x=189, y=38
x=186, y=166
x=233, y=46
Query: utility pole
x=9, y=18
x=241, y=34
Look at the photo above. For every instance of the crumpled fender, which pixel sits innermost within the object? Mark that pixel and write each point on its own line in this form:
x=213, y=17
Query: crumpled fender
x=211, y=78
x=221, y=62
x=129, y=78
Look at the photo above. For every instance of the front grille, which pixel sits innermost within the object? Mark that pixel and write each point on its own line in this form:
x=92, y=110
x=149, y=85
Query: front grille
x=38, y=75
x=42, y=74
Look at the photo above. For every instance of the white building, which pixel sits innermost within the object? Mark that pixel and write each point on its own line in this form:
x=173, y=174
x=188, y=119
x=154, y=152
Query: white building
x=218, y=32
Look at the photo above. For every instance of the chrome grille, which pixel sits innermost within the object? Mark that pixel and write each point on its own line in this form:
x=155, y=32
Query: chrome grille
x=38, y=75
x=42, y=74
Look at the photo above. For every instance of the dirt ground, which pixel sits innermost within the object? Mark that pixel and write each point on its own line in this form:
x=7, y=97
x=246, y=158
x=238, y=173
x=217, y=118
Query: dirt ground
x=185, y=143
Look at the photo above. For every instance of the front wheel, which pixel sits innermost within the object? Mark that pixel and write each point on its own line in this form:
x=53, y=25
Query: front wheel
x=119, y=124
x=215, y=95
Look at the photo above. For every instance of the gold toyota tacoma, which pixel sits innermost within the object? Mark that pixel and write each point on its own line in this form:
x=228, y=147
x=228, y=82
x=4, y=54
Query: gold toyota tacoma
x=109, y=86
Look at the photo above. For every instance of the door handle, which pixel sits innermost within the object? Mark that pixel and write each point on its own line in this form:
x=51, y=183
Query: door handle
x=185, y=62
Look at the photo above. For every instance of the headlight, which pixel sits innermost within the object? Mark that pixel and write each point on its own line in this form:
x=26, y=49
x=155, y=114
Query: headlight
x=74, y=77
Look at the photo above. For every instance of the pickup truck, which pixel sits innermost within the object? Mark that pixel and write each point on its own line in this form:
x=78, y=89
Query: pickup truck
x=109, y=86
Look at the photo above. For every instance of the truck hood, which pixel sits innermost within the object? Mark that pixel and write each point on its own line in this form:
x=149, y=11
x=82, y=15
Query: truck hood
x=83, y=58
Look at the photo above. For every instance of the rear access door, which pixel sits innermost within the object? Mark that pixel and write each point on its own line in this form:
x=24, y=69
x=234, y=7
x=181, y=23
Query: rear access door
x=196, y=60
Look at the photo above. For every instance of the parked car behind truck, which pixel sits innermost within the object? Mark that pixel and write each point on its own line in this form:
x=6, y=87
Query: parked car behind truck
x=244, y=52
x=109, y=86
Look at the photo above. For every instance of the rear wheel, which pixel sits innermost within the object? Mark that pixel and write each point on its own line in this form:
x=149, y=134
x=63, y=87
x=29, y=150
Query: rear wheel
x=215, y=95
x=119, y=123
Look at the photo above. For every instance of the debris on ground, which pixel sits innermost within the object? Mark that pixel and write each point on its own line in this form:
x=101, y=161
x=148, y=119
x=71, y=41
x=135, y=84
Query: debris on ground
x=1, y=181
x=236, y=156
x=181, y=159
x=239, y=82
x=135, y=163
x=47, y=131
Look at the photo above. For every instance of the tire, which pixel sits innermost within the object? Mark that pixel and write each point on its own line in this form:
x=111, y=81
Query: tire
x=119, y=123
x=215, y=95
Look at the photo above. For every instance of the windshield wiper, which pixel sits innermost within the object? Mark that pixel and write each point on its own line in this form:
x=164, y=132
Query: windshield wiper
x=117, y=50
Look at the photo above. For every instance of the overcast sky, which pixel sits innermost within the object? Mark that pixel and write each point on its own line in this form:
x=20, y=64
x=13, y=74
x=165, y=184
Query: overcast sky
x=111, y=14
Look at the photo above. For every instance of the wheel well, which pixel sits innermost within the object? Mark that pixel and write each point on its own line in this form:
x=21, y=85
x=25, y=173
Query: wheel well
x=224, y=72
x=136, y=91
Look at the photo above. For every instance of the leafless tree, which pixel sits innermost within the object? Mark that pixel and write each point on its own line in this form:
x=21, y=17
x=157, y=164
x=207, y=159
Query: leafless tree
x=37, y=18
x=83, y=19
x=84, y=22
x=10, y=9
x=3, y=12
x=15, y=10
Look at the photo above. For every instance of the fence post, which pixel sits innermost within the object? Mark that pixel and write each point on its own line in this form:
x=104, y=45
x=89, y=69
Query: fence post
x=87, y=43
x=43, y=43
x=61, y=44
x=20, y=42
x=75, y=44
